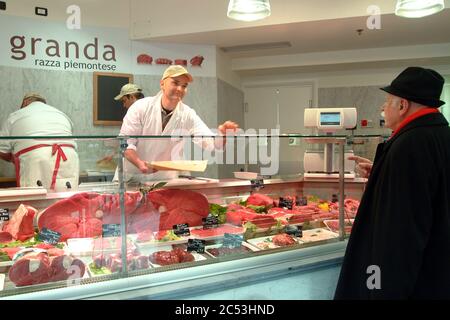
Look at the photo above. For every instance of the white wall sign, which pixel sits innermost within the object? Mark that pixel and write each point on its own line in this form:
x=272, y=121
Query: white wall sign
x=29, y=43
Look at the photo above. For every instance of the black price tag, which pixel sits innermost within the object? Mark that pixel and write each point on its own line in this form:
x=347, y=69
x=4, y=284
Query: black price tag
x=210, y=222
x=49, y=236
x=301, y=201
x=232, y=240
x=4, y=214
x=110, y=230
x=257, y=183
x=181, y=230
x=285, y=203
x=196, y=245
x=296, y=231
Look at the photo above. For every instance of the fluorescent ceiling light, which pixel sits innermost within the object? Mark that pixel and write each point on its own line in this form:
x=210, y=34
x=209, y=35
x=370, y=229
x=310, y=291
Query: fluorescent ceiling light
x=418, y=8
x=248, y=10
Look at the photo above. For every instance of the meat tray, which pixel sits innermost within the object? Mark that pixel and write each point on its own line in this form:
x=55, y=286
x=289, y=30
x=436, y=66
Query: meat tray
x=197, y=257
x=265, y=243
x=215, y=233
x=318, y=234
x=245, y=245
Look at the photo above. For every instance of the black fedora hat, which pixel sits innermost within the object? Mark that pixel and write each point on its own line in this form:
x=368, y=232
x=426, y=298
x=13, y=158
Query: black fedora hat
x=419, y=85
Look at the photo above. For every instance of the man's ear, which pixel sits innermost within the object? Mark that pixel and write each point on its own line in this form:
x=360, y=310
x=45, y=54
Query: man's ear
x=404, y=106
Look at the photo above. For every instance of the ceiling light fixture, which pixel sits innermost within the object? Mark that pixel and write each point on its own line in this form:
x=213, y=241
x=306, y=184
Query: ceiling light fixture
x=418, y=8
x=248, y=10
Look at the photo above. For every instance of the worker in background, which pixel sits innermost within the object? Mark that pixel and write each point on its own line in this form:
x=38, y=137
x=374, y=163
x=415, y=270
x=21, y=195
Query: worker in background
x=53, y=164
x=129, y=94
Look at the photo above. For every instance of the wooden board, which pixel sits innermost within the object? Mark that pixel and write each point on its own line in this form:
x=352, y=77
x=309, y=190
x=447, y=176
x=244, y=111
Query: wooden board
x=179, y=165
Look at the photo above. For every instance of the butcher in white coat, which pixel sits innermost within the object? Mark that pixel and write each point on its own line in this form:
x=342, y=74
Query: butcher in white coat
x=53, y=164
x=164, y=114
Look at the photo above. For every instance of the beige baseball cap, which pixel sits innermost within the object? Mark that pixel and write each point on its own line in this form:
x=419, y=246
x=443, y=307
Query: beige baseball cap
x=175, y=71
x=129, y=88
x=33, y=95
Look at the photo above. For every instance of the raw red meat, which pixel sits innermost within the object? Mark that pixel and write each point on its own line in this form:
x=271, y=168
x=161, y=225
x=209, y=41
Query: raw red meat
x=197, y=61
x=20, y=226
x=283, y=240
x=163, y=61
x=181, y=62
x=32, y=268
x=164, y=258
x=234, y=207
x=258, y=199
x=144, y=59
x=71, y=217
x=64, y=266
x=241, y=216
x=220, y=231
x=183, y=256
x=175, y=206
x=5, y=237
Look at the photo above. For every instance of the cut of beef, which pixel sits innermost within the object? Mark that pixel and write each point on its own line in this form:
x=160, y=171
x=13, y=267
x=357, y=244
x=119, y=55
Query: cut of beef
x=164, y=208
x=32, y=268
x=283, y=240
x=258, y=199
x=5, y=237
x=20, y=226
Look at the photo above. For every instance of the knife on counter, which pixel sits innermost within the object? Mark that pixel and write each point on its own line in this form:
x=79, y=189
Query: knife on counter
x=193, y=178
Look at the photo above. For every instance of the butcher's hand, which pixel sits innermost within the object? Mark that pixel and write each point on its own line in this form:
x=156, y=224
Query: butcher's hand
x=228, y=128
x=363, y=165
x=132, y=156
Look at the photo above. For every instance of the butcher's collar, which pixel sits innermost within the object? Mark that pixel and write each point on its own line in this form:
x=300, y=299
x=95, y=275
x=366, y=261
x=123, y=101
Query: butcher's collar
x=411, y=117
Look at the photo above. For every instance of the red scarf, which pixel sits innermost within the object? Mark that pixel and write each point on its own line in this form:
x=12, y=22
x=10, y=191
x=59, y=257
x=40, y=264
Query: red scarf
x=412, y=117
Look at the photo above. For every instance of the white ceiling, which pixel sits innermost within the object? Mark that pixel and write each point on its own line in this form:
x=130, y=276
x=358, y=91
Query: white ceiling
x=326, y=35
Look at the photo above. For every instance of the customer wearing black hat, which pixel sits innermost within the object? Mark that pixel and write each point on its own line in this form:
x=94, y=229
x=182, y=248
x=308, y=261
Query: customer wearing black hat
x=399, y=247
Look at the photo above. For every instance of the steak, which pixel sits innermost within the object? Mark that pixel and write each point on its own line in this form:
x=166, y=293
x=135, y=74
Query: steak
x=83, y=214
x=20, y=226
x=283, y=240
x=167, y=207
x=258, y=199
x=32, y=268
x=5, y=237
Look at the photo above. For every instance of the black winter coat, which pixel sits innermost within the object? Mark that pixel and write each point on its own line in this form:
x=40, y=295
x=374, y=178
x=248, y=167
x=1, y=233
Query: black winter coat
x=403, y=221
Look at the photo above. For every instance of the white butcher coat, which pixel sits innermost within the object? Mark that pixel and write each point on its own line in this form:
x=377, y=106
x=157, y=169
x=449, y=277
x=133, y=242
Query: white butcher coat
x=144, y=118
x=40, y=119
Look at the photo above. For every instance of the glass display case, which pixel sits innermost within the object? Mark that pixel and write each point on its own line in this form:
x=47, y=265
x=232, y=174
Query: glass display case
x=212, y=209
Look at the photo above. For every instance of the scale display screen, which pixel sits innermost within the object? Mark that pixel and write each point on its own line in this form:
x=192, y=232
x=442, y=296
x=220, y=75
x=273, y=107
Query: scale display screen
x=330, y=118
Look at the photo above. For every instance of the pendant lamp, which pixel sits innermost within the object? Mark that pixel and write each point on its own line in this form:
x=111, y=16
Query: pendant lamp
x=418, y=8
x=248, y=10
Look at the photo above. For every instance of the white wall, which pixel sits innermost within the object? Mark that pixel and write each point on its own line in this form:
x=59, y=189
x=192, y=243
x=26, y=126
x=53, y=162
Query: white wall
x=224, y=71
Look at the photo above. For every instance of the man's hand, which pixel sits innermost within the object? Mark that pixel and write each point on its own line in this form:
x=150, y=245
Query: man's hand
x=132, y=156
x=228, y=127
x=363, y=165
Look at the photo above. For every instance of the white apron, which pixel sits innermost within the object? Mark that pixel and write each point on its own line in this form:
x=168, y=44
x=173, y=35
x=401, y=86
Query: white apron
x=163, y=149
x=53, y=165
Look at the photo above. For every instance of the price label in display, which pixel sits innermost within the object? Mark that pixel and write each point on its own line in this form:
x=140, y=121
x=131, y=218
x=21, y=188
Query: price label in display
x=210, y=222
x=110, y=230
x=257, y=183
x=232, y=240
x=196, y=245
x=181, y=230
x=49, y=236
x=4, y=214
x=296, y=231
x=301, y=201
x=285, y=203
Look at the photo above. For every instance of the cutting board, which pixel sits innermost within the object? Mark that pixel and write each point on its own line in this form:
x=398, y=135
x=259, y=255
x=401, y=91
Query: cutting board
x=179, y=165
